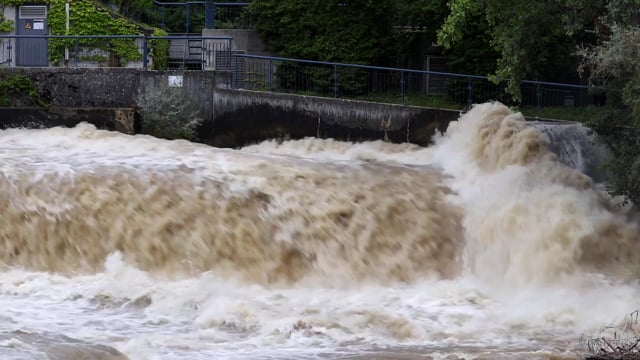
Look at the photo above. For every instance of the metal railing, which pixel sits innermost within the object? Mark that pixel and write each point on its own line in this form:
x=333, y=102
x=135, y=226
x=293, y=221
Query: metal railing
x=184, y=52
x=203, y=14
x=394, y=85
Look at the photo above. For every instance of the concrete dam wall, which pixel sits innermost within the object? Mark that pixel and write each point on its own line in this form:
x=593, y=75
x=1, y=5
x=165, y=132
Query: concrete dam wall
x=242, y=116
x=231, y=117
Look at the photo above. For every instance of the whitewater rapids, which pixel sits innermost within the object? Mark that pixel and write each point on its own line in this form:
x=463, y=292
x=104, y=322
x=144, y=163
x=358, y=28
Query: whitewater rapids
x=483, y=245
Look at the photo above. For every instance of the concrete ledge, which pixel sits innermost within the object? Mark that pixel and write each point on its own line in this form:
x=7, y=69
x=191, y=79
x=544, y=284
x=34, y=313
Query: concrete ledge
x=118, y=119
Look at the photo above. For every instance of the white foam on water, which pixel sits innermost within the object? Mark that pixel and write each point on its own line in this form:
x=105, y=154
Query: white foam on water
x=518, y=259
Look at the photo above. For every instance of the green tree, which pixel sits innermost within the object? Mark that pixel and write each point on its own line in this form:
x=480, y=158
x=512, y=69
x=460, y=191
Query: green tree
x=333, y=30
x=615, y=71
x=134, y=9
x=533, y=39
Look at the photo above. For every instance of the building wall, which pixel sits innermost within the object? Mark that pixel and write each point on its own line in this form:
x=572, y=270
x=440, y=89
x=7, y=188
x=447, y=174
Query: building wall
x=7, y=46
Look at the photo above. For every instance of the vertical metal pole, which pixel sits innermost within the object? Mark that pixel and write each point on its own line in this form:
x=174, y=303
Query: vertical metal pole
x=145, y=53
x=66, y=48
x=336, y=81
x=470, y=92
x=538, y=97
x=402, y=92
x=187, y=15
x=428, y=74
x=76, y=51
x=203, y=54
x=10, y=48
x=213, y=16
x=235, y=72
x=209, y=14
x=270, y=74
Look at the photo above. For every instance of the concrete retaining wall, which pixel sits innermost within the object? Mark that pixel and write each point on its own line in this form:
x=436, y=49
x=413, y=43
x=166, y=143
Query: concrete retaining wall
x=123, y=120
x=232, y=117
x=117, y=87
x=243, y=116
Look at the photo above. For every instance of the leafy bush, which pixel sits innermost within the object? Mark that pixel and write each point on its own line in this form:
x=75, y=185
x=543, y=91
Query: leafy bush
x=167, y=113
x=614, y=72
x=160, y=50
x=19, y=90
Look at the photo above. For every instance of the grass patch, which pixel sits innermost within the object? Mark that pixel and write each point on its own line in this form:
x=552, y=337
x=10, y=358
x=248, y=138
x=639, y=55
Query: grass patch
x=583, y=114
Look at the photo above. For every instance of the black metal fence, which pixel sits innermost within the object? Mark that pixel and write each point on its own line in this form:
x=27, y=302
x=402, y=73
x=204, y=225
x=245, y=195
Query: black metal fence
x=395, y=85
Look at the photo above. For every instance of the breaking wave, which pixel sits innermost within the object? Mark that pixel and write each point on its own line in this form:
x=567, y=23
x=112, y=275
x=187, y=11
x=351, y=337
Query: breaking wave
x=486, y=242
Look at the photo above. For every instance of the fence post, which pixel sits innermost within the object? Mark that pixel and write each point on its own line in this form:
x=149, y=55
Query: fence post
x=10, y=48
x=203, y=55
x=209, y=14
x=336, y=81
x=470, y=92
x=229, y=47
x=270, y=74
x=76, y=50
x=145, y=53
x=187, y=14
x=235, y=73
x=402, y=91
x=538, y=97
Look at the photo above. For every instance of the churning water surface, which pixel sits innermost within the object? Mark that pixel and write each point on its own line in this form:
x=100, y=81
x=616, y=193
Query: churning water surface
x=484, y=245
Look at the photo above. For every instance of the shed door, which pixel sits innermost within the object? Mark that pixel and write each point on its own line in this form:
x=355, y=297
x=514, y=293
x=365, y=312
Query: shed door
x=32, y=20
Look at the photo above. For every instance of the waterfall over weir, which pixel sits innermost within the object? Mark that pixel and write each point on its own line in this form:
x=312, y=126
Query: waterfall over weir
x=576, y=146
x=490, y=244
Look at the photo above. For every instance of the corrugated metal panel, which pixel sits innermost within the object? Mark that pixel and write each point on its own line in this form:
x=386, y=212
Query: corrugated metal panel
x=32, y=20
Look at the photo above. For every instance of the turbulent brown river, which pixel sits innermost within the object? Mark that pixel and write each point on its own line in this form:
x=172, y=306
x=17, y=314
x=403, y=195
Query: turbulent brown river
x=482, y=246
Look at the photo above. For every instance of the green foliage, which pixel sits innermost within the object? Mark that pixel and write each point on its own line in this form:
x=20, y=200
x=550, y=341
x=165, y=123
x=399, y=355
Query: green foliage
x=134, y=9
x=613, y=65
x=87, y=18
x=623, y=12
x=614, y=71
x=6, y=25
x=19, y=90
x=160, y=50
x=169, y=114
x=332, y=30
x=94, y=58
x=624, y=142
x=473, y=53
x=532, y=39
x=357, y=31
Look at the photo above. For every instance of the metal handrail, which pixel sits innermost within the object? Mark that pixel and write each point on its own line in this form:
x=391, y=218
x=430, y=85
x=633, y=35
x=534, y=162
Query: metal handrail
x=199, y=3
x=413, y=71
x=470, y=86
x=149, y=37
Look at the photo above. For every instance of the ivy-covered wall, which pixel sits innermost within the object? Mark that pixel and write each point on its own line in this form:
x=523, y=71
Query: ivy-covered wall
x=87, y=17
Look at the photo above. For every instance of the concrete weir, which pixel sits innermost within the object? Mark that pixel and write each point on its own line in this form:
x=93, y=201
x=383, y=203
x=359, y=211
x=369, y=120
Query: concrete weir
x=119, y=119
x=106, y=97
x=242, y=116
